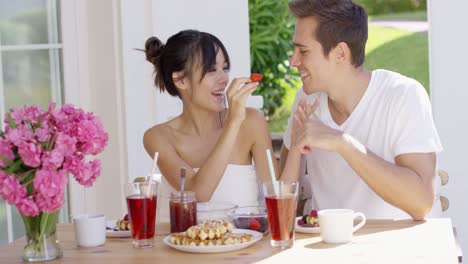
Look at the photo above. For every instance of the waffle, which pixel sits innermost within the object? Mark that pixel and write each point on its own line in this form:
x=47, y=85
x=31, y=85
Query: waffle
x=226, y=239
x=231, y=238
x=209, y=230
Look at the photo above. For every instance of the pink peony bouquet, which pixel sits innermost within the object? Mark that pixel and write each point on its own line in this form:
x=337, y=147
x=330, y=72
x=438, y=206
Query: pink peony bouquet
x=38, y=149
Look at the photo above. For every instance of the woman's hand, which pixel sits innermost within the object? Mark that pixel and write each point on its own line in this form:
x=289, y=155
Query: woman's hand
x=237, y=98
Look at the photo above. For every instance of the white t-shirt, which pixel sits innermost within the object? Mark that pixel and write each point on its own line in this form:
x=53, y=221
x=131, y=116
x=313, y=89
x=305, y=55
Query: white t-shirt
x=393, y=117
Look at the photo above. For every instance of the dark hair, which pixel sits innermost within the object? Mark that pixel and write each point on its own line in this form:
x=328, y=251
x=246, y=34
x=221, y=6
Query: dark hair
x=181, y=52
x=338, y=21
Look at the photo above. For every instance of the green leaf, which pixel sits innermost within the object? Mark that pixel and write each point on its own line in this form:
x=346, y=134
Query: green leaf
x=13, y=168
x=51, y=223
x=11, y=122
x=43, y=223
x=27, y=221
x=271, y=31
x=7, y=161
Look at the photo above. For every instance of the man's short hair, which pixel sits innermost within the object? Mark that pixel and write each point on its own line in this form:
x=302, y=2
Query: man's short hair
x=338, y=21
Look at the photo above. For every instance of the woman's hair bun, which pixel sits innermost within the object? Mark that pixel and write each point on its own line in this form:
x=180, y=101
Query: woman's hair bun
x=153, y=49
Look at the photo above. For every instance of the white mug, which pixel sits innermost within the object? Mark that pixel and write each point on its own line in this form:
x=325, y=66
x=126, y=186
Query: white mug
x=336, y=225
x=90, y=230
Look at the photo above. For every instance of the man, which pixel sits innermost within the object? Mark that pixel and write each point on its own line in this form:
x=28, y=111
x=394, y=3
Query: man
x=369, y=139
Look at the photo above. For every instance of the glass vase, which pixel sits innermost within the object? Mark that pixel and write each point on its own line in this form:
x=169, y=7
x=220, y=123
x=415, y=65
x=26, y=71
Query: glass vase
x=41, y=238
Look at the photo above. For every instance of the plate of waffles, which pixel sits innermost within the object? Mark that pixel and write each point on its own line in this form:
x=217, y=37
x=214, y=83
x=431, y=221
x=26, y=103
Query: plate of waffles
x=112, y=230
x=235, y=240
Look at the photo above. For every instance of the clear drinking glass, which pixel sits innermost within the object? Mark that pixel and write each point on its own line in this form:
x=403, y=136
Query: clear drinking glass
x=281, y=201
x=141, y=204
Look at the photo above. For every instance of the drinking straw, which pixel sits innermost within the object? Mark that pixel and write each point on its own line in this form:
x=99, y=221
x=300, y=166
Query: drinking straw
x=153, y=169
x=182, y=183
x=272, y=172
x=149, y=178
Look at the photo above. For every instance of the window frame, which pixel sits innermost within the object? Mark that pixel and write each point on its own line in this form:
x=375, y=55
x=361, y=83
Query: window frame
x=56, y=87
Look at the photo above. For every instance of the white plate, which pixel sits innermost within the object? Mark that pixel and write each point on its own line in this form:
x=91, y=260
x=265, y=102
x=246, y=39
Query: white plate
x=308, y=230
x=256, y=236
x=112, y=233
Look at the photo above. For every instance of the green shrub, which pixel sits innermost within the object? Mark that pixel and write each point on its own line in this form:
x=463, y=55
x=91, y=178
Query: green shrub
x=271, y=30
x=376, y=7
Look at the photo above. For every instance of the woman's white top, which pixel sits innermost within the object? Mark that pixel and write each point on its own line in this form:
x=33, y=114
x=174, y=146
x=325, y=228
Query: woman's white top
x=239, y=185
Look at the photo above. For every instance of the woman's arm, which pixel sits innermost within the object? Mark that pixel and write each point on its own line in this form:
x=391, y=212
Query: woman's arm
x=257, y=127
x=205, y=181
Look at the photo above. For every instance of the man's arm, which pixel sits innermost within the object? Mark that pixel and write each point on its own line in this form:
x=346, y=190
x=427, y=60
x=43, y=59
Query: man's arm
x=407, y=184
x=290, y=160
x=283, y=156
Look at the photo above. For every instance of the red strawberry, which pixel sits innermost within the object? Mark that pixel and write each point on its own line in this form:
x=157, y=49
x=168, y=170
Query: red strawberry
x=313, y=213
x=254, y=224
x=300, y=222
x=256, y=77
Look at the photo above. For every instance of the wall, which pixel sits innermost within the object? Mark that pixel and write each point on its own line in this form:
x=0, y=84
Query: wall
x=448, y=70
x=92, y=76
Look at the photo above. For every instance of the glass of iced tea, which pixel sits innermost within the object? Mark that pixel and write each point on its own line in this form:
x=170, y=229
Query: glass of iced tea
x=183, y=211
x=281, y=201
x=141, y=204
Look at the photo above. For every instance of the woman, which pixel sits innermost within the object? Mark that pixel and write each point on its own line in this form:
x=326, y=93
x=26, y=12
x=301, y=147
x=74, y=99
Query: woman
x=216, y=145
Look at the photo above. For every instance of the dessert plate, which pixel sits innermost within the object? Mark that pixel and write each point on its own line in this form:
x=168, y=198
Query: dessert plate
x=307, y=230
x=256, y=236
x=112, y=231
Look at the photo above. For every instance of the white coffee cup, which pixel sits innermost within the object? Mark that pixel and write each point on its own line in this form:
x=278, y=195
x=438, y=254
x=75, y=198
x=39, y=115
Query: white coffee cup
x=336, y=225
x=90, y=230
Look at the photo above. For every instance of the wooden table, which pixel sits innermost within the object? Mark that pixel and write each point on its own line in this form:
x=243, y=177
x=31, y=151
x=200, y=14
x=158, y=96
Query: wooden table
x=379, y=241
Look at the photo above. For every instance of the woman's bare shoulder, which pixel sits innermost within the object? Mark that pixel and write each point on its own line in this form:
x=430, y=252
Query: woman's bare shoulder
x=156, y=135
x=255, y=122
x=156, y=130
x=253, y=116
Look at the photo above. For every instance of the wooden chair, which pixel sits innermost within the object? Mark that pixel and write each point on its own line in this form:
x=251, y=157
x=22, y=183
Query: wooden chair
x=444, y=201
x=444, y=178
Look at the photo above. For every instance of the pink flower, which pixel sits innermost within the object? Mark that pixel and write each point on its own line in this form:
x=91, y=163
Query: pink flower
x=28, y=207
x=91, y=135
x=19, y=135
x=42, y=134
x=67, y=117
x=32, y=113
x=50, y=183
x=85, y=130
x=65, y=144
x=30, y=154
x=52, y=143
x=17, y=115
x=6, y=151
x=3, y=176
x=11, y=190
x=73, y=163
x=49, y=204
x=52, y=160
x=88, y=172
x=29, y=114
